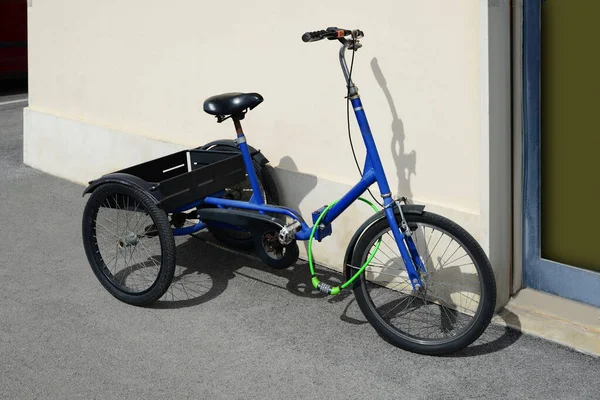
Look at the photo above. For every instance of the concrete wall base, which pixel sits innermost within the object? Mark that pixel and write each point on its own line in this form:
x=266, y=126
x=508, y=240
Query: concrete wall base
x=56, y=144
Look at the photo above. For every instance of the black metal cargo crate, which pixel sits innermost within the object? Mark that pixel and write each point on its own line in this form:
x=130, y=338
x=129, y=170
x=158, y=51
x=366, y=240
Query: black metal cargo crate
x=186, y=176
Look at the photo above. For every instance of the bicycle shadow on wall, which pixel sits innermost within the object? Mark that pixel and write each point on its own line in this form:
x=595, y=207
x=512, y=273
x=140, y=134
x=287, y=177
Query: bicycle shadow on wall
x=294, y=191
x=292, y=194
x=405, y=162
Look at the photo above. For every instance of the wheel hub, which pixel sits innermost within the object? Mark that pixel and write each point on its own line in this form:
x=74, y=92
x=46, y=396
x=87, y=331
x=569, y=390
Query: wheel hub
x=130, y=239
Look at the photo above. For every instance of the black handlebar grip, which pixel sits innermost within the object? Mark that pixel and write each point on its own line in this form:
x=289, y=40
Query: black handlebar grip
x=313, y=36
x=331, y=34
x=306, y=37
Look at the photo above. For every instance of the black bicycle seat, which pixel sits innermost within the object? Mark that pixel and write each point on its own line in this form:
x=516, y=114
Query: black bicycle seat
x=232, y=104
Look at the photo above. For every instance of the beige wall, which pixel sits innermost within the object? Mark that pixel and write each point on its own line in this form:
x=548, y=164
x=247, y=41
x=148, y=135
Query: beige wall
x=143, y=68
x=146, y=66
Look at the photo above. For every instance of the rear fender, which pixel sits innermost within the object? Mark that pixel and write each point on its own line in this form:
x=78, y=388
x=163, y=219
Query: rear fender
x=125, y=179
x=256, y=154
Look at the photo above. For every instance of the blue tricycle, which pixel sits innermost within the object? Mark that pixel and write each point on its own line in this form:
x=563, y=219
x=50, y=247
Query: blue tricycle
x=421, y=280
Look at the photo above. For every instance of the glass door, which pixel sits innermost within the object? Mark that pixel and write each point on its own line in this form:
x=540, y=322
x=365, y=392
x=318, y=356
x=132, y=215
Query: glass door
x=562, y=148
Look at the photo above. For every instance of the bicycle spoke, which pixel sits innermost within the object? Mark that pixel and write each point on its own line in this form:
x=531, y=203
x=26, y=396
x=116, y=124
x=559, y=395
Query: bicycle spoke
x=117, y=219
x=431, y=313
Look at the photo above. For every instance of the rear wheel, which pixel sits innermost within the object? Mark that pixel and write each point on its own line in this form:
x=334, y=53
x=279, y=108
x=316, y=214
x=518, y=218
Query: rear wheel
x=457, y=301
x=129, y=243
x=235, y=237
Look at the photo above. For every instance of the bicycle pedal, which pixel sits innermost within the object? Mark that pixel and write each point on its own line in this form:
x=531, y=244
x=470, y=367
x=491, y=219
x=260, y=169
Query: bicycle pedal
x=288, y=232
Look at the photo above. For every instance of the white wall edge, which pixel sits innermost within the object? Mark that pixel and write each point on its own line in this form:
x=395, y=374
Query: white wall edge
x=484, y=144
x=517, y=81
x=496, y=130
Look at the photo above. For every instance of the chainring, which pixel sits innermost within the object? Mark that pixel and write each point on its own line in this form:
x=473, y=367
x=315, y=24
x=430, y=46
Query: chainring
x=272, y=252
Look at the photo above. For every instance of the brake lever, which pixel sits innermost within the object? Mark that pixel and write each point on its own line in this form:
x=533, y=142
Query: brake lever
x=350, y=44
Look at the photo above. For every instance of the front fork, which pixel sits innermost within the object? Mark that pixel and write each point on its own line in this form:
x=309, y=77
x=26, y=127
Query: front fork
x=403, y=234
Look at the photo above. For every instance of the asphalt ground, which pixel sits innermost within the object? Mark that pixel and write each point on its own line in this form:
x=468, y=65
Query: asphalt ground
x=229, y=328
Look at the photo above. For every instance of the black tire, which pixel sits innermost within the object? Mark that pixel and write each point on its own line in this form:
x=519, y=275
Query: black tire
x=243, y=191
x=381, y=317
x=133, y=243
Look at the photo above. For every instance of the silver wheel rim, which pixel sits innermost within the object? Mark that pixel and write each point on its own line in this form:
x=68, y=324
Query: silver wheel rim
x=441, y=312
x=126, y=244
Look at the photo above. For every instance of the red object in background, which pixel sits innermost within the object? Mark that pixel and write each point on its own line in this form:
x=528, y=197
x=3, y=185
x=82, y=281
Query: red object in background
x=13, y=38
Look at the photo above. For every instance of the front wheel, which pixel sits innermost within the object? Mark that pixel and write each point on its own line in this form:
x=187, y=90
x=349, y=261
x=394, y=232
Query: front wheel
x=458, y=297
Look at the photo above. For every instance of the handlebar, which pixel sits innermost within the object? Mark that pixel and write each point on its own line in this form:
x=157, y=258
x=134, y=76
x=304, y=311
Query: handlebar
x=331, y=33
x=339, y=34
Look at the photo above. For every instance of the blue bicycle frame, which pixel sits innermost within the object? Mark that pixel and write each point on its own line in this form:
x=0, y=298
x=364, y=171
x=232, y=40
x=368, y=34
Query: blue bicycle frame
x=373, y=172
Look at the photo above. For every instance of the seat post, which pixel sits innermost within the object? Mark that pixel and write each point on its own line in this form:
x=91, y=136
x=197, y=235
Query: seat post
x=238, y=127
x=257, y=197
